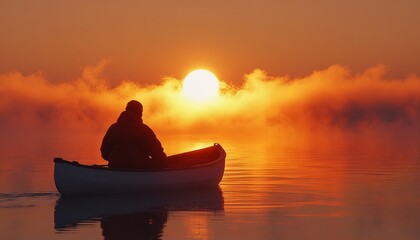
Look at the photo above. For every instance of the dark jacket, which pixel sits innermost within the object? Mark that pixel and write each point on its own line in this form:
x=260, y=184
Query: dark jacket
x=129, y=143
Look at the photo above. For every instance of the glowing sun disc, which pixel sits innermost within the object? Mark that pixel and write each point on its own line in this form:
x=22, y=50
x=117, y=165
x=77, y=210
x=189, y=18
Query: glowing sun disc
x=200, y=85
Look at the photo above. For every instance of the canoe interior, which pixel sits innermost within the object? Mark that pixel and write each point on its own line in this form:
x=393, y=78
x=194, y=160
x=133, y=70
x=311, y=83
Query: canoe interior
x=191, y=159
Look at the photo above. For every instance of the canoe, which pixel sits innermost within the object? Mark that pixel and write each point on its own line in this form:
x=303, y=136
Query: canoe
x=195, y=169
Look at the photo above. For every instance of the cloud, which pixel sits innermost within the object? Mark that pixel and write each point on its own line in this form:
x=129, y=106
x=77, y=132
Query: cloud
x=334, y=99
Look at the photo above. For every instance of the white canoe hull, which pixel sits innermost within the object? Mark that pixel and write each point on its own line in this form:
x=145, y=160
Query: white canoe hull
x=75, y=179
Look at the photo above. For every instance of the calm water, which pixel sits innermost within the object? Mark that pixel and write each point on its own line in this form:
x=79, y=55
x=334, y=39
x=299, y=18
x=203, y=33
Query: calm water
x=273, y=188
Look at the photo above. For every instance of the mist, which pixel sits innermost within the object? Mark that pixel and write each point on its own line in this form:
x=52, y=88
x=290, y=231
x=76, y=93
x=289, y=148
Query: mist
x=335, y=100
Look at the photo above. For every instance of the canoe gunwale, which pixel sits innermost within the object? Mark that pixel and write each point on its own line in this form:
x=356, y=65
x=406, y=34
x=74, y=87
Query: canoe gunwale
x=221, y=157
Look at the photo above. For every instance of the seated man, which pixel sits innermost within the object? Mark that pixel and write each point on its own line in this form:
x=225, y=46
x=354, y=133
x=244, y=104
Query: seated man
x=129, y=143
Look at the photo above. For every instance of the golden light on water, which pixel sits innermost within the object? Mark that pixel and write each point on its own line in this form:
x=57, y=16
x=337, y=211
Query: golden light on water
x=200, y=85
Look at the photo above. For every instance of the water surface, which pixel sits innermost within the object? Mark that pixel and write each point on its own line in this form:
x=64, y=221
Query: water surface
x=273, y=188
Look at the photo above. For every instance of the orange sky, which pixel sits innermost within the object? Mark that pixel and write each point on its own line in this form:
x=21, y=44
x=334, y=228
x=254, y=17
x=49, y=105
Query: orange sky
x=67, y=68
x=145, y=40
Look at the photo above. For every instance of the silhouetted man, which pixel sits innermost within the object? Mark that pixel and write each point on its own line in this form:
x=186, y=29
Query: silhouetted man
x=129, y=143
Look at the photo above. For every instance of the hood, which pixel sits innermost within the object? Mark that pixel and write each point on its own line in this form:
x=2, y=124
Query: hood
x=129, y=118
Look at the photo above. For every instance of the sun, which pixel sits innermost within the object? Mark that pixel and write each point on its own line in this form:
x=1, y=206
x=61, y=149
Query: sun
x=201, y=85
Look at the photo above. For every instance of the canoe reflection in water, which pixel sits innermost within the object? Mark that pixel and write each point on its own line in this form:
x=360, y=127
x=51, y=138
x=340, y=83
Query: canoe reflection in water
x=144, y=225
x=133, y=216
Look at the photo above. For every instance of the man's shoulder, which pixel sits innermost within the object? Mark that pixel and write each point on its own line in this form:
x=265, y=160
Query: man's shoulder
x=114, y=126
x=147, y=130
x=145, y=126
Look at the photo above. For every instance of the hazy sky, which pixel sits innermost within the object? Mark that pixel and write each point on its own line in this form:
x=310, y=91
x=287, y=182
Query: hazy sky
x=63, y=65
x=146, y=40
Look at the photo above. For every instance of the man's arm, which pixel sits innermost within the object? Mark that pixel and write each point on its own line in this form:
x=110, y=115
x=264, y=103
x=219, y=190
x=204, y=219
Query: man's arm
x=155, y=148
x=107, y=143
